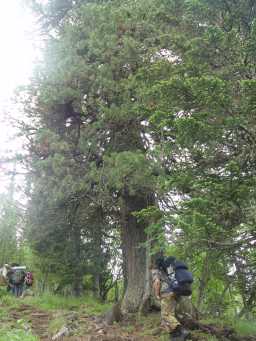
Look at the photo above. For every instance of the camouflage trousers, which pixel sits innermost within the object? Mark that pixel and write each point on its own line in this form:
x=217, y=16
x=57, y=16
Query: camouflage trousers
x=168, y=308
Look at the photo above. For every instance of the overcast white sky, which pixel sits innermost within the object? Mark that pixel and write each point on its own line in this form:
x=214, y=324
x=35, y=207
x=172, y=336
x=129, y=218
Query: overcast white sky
x=17, y=53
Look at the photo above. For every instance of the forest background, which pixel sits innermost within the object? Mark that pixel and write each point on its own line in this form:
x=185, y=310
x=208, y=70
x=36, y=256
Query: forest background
x=139, y=124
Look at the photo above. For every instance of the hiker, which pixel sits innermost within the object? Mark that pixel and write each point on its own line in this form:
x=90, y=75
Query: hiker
x=15, y=277
x=28, y=283
x=29, y=279
x=8, y=277
x=171, y=280
x=6, y=273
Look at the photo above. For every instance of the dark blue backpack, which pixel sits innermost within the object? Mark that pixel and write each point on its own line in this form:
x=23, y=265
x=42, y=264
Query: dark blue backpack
x=182, y=283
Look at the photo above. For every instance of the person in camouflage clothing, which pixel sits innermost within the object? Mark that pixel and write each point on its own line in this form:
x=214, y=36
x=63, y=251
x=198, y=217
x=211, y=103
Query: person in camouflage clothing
x=168, y=300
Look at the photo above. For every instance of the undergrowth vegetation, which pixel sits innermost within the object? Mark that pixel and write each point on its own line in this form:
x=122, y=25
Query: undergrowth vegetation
x=54, y=302
x=48, y=301
x=20, y=330
x=16, y=335
x=244, y=327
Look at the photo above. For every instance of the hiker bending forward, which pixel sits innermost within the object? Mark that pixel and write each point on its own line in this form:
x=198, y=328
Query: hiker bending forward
x=168, y=299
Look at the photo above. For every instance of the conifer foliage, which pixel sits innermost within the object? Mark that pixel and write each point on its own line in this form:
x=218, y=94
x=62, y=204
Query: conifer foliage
x=141, y=120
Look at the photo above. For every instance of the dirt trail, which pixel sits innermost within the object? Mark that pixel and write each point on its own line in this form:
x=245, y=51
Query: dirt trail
x=91, y=328
x=39, y=320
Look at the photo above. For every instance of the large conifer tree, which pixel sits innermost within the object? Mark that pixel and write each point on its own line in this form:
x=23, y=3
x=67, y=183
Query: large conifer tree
x=91, y=140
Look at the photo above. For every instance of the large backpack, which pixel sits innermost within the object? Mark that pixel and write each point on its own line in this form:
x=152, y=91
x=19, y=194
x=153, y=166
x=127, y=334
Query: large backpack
x=17, y=276
x=29, y=278
x=181, y=284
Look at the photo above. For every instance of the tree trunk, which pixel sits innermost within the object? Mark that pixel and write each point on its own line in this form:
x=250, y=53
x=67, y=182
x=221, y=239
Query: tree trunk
x=78, y=275
x=203, y=282
x=124, y=263
x=96, y=284
x=116, y=291
x=134, y=248
x=76, y=252
x=146, y=300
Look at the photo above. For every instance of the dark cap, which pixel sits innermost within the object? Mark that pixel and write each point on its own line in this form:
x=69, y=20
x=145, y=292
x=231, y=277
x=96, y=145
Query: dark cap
x=160, y=263
x=169, y=261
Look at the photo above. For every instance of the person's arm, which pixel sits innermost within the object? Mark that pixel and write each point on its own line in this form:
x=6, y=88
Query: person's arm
x=9, y=281
x=157, y=288
x=156, y=283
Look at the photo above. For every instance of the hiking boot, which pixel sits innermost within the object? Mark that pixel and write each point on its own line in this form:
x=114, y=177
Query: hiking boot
x=179, y=334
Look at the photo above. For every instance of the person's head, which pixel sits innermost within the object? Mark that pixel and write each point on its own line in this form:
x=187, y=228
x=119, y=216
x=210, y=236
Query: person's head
x=169, y=261
x=160, y=263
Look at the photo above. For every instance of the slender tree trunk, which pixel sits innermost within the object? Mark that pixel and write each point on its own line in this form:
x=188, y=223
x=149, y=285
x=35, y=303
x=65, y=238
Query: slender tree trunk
x=78, y=275
x=116, y=291
x=203, y=282
x=98, y=252
x=76, y=252
x=96, y=284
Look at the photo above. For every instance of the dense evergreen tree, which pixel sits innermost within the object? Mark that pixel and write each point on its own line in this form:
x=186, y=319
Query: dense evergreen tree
x=202, y=106
x=142, y=120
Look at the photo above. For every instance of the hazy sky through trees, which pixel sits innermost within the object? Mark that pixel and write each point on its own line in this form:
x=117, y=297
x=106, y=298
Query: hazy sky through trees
x=17, y=38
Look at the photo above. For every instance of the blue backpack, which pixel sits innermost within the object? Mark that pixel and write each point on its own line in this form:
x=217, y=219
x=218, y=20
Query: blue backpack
x=181, y=282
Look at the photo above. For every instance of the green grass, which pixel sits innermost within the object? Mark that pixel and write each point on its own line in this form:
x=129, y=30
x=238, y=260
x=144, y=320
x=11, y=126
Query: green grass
x=86, y=304
x=244, y=327
x=10, y=301
x=16, y=335
x=11, y=330
x=56, y=324
x=3, y=314
x=53, y=302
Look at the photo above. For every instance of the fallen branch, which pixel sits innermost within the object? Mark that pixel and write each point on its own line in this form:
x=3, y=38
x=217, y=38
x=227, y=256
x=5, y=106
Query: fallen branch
x=222, y=333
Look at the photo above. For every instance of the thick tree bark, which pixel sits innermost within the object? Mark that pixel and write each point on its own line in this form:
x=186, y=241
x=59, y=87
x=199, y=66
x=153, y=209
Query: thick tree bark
x=127, y=137
x=134, y=248
x=146, y=300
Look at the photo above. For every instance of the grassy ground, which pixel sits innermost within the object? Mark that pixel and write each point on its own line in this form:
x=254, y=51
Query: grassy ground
x=242, y=327
x=13, y=330
x=53, y=302
x=16, y=335
x=20, y=328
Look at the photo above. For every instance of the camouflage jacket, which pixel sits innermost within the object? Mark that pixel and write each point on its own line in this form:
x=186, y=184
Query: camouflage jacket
x=162, y=276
